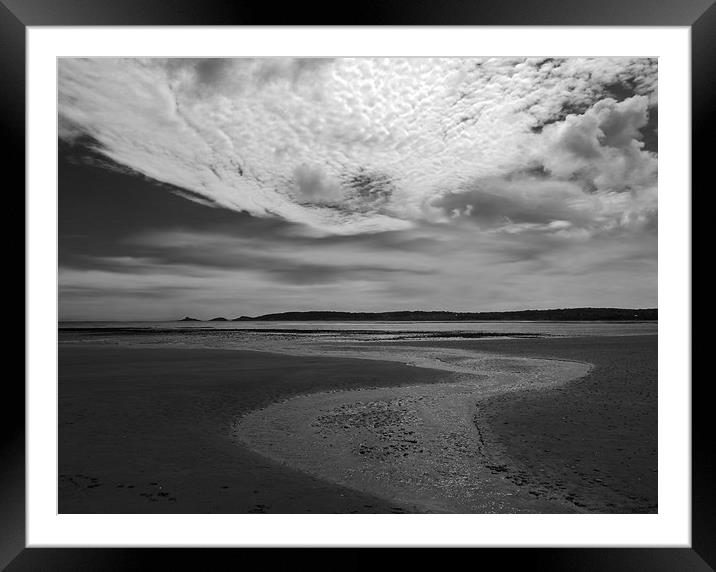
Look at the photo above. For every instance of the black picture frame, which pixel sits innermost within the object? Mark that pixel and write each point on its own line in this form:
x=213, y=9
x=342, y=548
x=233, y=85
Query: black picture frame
x=17, y=15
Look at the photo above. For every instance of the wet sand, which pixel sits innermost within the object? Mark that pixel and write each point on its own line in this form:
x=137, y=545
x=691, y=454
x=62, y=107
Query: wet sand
x=593, y=442
x=155, y=430
x=149, y=430
x=416, y=445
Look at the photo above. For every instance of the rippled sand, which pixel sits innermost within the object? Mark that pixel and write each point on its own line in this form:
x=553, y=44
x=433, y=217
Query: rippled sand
x=419, y=446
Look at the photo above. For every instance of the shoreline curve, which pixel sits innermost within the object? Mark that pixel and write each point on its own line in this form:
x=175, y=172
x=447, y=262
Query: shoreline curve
x=419, y=446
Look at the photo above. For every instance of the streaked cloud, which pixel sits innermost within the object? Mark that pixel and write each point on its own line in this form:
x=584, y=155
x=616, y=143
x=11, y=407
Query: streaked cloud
x=244, y=186
x=347, y=146
x=428, y=266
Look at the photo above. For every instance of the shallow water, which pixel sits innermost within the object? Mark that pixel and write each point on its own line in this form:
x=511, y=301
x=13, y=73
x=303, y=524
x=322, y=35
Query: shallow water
x=282, y=336
x=415, y=445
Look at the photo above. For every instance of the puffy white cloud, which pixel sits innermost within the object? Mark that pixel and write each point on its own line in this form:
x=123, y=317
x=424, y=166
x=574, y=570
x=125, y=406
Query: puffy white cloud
x=601, y=146
x=589, y=173
x=362, y=145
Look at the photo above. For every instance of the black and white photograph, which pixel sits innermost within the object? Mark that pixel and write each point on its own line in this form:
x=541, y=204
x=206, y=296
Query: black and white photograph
x=357, y=285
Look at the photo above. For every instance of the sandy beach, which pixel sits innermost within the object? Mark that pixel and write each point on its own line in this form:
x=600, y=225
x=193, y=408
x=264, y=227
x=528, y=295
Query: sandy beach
x=508, y=425
x=417, y=445
x=595, y=440
x=149, y=430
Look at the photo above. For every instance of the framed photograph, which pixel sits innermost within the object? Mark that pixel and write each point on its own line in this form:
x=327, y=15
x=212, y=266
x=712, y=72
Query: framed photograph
x=401, y=280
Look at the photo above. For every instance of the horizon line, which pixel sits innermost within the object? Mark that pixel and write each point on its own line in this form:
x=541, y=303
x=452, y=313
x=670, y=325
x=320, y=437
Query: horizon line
x=248, y=317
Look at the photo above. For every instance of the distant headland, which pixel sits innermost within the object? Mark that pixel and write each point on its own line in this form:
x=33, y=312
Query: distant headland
x=557, y=315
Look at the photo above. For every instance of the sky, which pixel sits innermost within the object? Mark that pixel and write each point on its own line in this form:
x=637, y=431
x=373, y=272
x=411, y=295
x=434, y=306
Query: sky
x=230, y=187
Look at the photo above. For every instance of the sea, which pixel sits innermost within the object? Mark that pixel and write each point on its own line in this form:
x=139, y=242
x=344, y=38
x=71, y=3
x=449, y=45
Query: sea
x=553, y=328
x=233, y=334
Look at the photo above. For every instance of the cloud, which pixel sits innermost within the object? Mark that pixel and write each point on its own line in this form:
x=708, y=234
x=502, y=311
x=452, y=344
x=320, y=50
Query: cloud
x=548, y=206
x=587, y=174
x=602, y=146
x=430, y=266
x=314, y=186
x=496, y=202
x=363, y=145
